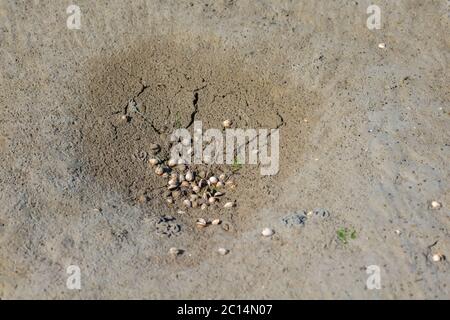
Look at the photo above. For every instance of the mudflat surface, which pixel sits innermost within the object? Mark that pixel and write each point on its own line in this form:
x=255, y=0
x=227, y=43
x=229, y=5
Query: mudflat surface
x=364, y=146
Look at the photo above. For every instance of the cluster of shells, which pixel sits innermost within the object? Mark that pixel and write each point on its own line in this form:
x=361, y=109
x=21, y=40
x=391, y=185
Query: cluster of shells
x=190, y=188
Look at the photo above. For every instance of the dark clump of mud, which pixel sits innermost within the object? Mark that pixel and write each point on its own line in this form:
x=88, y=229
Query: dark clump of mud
x=170, y=85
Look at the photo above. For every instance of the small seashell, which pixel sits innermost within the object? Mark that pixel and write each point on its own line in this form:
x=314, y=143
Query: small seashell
x=187, y=203
x=189, y=176
x=196, y=189
x=267, y=232
x=159, y=171
x=218, y=194
x=204, y=206
x=382, y=45
x=173, y=182
x=398, y=232
x=219, y=184
x=222, y=177
x=185, y=184
x=212, y=200
x=172, y=187
x=173, y=175
x=169, y=200
x=153, y=161
x=223, y=251
x=227, y=123
x=438, y=257
x=172, y=162
x=201, y=223
x=181, y=177
x=213, y=180
x=174, y=251
x=216, y=222
x=194, y=204
x=181, y=161
x=181, y=212
x=228, y=205
x=435, y=204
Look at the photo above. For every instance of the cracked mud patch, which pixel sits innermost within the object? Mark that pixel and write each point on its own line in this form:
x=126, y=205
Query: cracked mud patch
x=141, y=94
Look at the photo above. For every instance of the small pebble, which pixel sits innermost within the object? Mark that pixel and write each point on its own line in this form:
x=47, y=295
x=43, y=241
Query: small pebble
x=436, y=204
x=174, y=251
x=437, y=257
x=382, y=45
x=228, y=205
x=215, y=222
x=227, y=123
x=267, y=232
x=223, y=251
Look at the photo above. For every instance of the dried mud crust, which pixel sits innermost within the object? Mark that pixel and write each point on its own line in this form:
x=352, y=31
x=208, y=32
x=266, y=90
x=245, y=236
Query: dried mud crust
x=170, y=85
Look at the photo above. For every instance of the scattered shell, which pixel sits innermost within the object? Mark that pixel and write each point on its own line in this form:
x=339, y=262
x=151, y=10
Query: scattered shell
x=228, y=205
x=175, y=251
x=173, y=182
x=267, y=232
x=215, y=222
x=398, y=232
x=218, y=194
x=194, y=204
x=187, y=203
x=169, y=200
x=153, y=161
x=213, y=180
x=196, y=189
x=435, y=204
x=223, y=251
x=201, y=223
x=172, y=187
x=382, y=45
x=181, y=177
x=219, y=184
x=172, y=162
x=189, y=176
x=438, y=257
x=222, y=177
x=202, y=183
x=227, y=123
x=212, y=200
x=181, y=212
x=159, y=171
x=204, y=206
x=185, y=184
